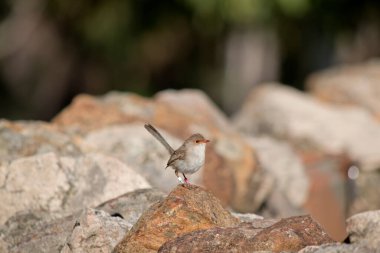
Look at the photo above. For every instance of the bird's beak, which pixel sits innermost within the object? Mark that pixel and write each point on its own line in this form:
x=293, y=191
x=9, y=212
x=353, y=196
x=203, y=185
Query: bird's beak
x=204, y=141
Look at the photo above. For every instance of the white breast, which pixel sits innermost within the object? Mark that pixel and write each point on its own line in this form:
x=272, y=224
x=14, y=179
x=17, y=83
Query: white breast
x=195, y=158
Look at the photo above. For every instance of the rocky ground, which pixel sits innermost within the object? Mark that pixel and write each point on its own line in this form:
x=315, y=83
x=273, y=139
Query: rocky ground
x=290, y=172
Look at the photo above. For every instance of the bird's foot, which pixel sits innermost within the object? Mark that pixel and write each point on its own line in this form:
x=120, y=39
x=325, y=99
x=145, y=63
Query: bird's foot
x=187, y=181
x=181, y=180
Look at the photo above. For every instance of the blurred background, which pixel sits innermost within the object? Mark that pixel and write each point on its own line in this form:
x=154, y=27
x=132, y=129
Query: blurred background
x=52, y=50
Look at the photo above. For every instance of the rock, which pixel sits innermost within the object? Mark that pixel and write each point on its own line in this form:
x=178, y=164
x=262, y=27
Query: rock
x=195, y=103
x=27, y=138
x=230, y=171
x=349, y=85
x=286, y=113
x=35, y=231
x=32, y=232
x=86, y=113
x=289, y=234
x=247, y=217
x=147, y=156
x=95, y=231
x=324, y=204
x=131, y=205
x=337, y=248
x=363, y=230
x=62, y=185
x=291, y=184
x=185, y=209
x=366, y=191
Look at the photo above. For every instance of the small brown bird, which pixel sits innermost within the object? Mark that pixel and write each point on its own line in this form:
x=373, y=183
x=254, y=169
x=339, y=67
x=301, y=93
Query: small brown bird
x=188, y=158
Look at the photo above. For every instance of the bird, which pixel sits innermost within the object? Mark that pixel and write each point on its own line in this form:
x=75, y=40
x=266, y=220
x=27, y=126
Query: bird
x=188, y=158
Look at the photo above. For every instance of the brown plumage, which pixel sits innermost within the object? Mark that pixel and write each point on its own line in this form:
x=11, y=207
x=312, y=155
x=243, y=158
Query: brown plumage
x=188, y=158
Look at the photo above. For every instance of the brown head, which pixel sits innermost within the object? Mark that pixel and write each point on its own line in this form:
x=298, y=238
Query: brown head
x=196, y=139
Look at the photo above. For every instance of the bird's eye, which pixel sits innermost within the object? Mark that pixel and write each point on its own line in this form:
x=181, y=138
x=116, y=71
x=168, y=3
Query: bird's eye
x=197, y=141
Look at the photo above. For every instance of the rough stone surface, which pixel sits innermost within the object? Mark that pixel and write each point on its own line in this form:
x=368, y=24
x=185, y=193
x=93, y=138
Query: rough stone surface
x=247, y=217
x=35, y=231
x=86, y=113
x=230, y=171
x=349, y=85
x=62, y=185
x=27, y=138
x=290, y=179
x=132, y=204
x=186, y=208
x=190, y=101
x=148, y=156
x=363, y=230
x=95, y=231
x=286, y=113
x=338, y=248
x=366, y=192
x=289, y=234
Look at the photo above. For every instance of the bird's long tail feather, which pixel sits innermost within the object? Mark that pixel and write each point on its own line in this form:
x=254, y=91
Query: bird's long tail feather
x=159, y=137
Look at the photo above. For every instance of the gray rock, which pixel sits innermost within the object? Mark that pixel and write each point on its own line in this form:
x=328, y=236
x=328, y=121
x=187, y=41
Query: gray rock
x=95, y=231
x=349, y=85
x=291, y=183
x=287, y=113
x=337, y=248
x=247, y=217
x=27, y=138
x=28, y=232
x=191, y=101
x=132, y=204
x=366, y=192
x=147, y=156
x=364, y=228
x=35, y=231
x=62, y=185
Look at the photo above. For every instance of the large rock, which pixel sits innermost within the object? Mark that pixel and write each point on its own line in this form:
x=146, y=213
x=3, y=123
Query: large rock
x=27, y=138
x=62, y=185
x=288, y=235
x=325, y=200
x=36, y=232
x=363, y=230
x=33, y=232
x=349, y=85
x=366, y=191
x=147, y=156
x=95, y=231
x=230, y=171
x=131, y=205
x=287, y=113
x=290, y=188
x=187, y=208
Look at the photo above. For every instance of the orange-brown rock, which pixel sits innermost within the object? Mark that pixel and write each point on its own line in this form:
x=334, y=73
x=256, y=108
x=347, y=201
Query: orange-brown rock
x=329, y=195
x=291, y=234
x=231, y=168
x=187, y=208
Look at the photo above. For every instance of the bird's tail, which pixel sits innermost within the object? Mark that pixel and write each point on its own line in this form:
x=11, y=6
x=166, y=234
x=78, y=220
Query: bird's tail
x=159, y=137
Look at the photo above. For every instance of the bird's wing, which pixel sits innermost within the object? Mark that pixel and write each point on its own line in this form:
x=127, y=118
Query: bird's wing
x=175, y=156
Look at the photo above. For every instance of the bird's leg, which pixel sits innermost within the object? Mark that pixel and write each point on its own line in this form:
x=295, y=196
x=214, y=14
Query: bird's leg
x=186, y=180
x=179, y=178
